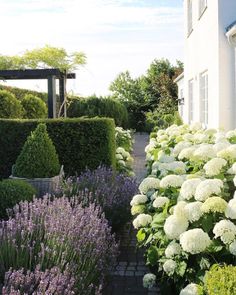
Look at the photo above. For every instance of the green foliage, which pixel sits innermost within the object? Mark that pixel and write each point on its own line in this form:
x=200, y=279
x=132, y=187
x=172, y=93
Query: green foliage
x=34, y=107
x=46, y=57
x=80, y=143
x=101, y=107
x=153, y=92
x=21, y=93
x=221, y=280
x=10, y=107
x=38, y=158
x=12, y=192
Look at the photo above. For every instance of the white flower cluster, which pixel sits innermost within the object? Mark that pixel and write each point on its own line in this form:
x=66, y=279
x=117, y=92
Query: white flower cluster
x=173, y=249
x=160, y=202
x=195, y=241
x=171, y=181
x=149, y=183
x=142, y=220
x=225, y=230
x=191, y=289
x=138, y=199
x=207, y=188
x=169, y=267
x=149, y=280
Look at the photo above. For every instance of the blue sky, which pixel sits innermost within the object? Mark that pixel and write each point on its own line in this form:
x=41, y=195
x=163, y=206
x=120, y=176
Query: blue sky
x=116, y=35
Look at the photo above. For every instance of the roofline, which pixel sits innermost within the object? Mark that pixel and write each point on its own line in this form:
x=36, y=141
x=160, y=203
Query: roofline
x=230, y=26
x=180, y=77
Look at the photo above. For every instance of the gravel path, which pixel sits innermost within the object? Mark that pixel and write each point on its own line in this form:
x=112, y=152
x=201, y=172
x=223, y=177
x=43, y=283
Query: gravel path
x=127, y=277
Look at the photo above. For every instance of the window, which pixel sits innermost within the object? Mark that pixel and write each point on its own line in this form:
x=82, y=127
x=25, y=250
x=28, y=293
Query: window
x=204, y=98
x=181, y=102
x=202, y=7
x=190, y=100
x=190, y=16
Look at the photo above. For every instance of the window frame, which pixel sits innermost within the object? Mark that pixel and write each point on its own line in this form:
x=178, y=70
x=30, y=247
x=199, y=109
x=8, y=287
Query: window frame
x=191, y=100
x=190, y=17
x=201, y=8
x=204, y=98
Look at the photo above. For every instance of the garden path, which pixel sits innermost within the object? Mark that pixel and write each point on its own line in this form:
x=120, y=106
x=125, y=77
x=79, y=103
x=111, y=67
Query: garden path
x=127, y=277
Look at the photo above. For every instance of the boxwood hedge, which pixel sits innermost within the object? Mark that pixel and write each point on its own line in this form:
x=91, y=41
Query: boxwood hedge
x=80, y=143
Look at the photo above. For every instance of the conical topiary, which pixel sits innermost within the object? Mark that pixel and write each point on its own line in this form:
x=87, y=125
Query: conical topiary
x=38, y=158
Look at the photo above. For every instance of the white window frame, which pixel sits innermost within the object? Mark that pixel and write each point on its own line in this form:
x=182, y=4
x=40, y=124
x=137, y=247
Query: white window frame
x=202, y=5
x=190, y=16
x=191, y=100
x=203, y=97
x=181, y=104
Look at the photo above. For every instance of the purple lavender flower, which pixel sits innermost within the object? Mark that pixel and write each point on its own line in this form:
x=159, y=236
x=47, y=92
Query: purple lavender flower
x=52, y=233
x=112, y=191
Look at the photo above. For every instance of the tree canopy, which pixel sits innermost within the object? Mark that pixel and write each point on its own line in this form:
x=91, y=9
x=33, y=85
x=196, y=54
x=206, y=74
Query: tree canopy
x=45, y=57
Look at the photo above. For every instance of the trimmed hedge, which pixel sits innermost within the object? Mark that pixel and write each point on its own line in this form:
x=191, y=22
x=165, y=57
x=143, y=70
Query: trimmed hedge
x=102, y=107
x=80, y=143
x=12, y=192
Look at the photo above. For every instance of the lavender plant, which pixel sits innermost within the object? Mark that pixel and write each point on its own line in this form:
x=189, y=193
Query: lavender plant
x=21, y=282
x=52, y=233
x=106, y=188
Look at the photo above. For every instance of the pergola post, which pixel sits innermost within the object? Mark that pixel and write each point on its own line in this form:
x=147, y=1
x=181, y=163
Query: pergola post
x=62, y=94
x=51, y=97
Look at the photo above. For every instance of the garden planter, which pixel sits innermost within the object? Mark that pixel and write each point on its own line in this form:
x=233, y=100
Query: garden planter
x=44, y=185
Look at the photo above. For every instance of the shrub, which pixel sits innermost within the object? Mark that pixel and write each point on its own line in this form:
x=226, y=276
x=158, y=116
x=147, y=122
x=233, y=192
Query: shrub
x=101, y=107
x=221, y=280
x=12, y=192
x=34, y=107
x=10, y=107
x=38, y=158
x=21, y=282
x=106, y=188
x=80, y=143
x=52, y=233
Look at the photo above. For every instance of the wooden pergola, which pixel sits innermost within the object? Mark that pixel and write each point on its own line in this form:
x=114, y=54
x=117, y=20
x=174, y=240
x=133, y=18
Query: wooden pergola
x=41, y=74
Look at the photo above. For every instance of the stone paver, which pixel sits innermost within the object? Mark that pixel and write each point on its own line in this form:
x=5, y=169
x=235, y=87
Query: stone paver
x=126, y=279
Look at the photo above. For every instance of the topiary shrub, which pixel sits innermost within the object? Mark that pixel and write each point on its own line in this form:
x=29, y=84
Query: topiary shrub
x=221, y=280
x=10, y=107
x=38, y=158
x=12, y=192
x=34, y=107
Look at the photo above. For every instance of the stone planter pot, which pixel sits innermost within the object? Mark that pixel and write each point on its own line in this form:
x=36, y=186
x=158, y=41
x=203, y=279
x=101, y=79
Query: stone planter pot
x=43, y=186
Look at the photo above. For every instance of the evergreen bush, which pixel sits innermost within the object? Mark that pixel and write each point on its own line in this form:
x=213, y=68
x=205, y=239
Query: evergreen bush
x=12, y=192
x=34, y=107
x=10, y=107
x=38, y=158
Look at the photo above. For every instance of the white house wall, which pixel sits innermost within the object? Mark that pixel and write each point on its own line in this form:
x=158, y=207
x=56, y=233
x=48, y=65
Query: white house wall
x=227, y=94
x=207, y=49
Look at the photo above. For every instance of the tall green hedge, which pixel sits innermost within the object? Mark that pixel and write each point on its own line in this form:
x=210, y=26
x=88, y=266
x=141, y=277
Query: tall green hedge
x=101, y=107
x=80, y=143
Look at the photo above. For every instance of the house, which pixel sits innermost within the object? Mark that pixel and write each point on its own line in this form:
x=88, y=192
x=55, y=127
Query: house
x=207, y=88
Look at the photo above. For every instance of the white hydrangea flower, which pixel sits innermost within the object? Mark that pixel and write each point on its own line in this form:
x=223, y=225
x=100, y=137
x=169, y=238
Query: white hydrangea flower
x=149, y=183
x=193, y=211
x=234, y=168
x=120, y=150
x=160, y=202
x=214, y=205
x=174, y=226
x=203, y=153
x=180, y=146
x=172, y=249
x=138, y=199
x=225, y=230
x=171, y=181
x=220, y=146
x=195, y=126
x=169, y=267
x=207, y=188
x=232, y=248
x=179, y=209
x=230, y=211
x=191, y=289
x=122, y=163
x=220, y=137
x=119, y=157
x=195, y=241
x=200, y=137
x=229, y=153
x=231, y=133
x=214, y=166
x=187, y=153
x=188, y=137
x=142, y=220
x=164, y=158
x=149, y=280
x=188, y=188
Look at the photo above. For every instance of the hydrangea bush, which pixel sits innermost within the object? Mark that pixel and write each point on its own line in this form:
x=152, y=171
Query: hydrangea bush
x=46, y=233
x=186, y=209
x=124, y=143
